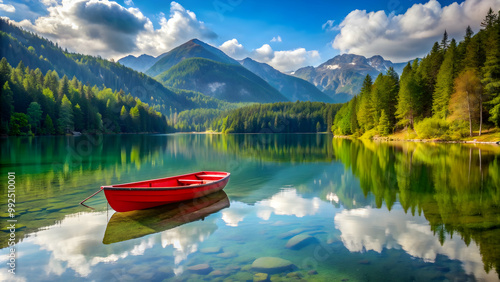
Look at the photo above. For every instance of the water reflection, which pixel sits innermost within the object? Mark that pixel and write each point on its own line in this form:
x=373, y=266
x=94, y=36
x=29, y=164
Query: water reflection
x=369, y=229
x=134, y=224
x=374, y=204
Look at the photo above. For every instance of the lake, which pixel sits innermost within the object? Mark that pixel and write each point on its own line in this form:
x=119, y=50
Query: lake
x=330, y=209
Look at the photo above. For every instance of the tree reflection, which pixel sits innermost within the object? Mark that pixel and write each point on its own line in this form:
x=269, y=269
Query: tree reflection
x=455, y=186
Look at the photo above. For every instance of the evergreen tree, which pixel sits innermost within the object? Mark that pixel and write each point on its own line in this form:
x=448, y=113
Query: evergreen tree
x=6, y=107
x=63, y=88
x=65, y=122
x=444, y=83
x=4, y=71
x=366, y=109
x=35, y=116
x=491, y=69
x=48, y=126
x=384, y=126
x=444, y=42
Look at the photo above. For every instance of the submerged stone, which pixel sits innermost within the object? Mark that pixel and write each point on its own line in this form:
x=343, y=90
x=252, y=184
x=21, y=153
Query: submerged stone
x=202, y=269
x=312, y=272
x=260, y=277
x=211, y=250
x=300, y=241
x=272, y=265
x=227, y=255
x=292, y=233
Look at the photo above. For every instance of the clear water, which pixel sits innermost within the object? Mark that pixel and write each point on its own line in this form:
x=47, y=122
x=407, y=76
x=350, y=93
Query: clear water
x=374, y=211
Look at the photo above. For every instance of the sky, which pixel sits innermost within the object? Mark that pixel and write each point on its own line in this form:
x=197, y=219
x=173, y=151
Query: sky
x=285, y=34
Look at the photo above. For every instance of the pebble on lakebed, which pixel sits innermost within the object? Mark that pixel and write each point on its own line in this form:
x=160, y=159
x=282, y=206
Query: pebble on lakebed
x=202, y=269
x=299, y=241
x=272, y=265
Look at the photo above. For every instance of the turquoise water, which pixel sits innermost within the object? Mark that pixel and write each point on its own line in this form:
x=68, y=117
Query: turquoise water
x=369, y=211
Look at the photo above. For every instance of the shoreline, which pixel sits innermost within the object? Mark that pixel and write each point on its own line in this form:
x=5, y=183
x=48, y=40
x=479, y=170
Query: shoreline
x=389, y=139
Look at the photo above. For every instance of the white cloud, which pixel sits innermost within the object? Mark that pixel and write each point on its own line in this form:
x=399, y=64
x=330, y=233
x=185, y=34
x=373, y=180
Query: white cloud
x=263, y=54
x=406, y=36
x=293, y=59
x=276, y=39
x=367, y=229
x=102, y=27
x=6, y=7
x=328, y=25
x=287, y=60
x=129, y=2
x=234, y=49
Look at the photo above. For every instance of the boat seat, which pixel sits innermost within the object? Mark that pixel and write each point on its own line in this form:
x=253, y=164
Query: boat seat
x=210, y=175
x=190, y=180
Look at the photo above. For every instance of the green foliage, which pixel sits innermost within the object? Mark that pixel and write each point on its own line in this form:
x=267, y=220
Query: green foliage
x=48, y=126
x=456, y=84
x=282, y=117
x=6, y=107
x=409, y=100
x=444, y=83
x=228, y=82
x=432, y=127
x=384, y=126
x=82, y=108
x=19, y=124
x=35, y=116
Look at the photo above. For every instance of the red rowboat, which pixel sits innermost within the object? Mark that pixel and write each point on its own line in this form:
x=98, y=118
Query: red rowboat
x=157, y=192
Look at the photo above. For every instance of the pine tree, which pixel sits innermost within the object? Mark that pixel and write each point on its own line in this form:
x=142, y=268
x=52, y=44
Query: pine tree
x=35, y=116
x=409, y=97
x=48, y=125
x=65, y=121
x=6, y=107
x=365, y=113
x=384, y=125
x=63, y=88
x=5, y=69
x=491, y=69
x=444, y=42
x=444, y=83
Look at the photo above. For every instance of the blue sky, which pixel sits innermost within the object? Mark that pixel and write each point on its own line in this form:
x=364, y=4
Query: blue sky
x=304, y=32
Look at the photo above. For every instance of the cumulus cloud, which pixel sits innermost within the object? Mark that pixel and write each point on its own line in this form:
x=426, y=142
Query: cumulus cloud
x=406, y=36
x=102, y=27
x=129, y=2
x=6, y=7
x=286, y=60
x=276, y=39
x=234, y=49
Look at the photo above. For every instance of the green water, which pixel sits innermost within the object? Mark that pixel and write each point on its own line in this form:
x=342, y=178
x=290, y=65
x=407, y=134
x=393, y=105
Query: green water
x=373, y=211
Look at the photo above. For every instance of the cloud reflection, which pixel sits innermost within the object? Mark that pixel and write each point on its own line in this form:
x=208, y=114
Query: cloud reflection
x=369, y=229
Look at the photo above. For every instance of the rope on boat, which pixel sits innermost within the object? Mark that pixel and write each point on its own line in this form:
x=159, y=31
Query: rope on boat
x=82, y=202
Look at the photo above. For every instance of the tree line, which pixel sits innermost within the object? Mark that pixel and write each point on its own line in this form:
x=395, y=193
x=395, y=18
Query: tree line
x=450, y=93
x=281, y=117
x=36, y=104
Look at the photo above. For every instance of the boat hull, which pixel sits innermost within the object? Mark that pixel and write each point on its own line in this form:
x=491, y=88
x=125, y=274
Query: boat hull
x=138, y=196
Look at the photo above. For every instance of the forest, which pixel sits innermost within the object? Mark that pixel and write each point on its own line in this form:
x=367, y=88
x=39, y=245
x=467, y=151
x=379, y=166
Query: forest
x=451, y=93
x=47, y=105
x=281, y=117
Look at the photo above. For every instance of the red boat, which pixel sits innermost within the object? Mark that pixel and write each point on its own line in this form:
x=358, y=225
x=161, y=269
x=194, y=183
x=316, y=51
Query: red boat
x=157, y=192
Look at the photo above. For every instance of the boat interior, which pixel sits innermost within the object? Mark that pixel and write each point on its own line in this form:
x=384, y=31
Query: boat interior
x=185, y=180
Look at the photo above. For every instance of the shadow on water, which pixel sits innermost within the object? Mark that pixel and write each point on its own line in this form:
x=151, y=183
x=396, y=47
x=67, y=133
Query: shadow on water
x=134, y=224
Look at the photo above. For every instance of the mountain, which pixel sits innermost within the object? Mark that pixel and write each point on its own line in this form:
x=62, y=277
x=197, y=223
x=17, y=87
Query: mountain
x=342, y=76
x=17, y=45
x=191, y=49
x=291, y=87
x=229, y=82
x=141, y=63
